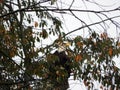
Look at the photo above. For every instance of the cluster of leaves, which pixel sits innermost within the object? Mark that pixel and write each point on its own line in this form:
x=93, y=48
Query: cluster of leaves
x=93, y=59
x=54, y=75
x=18, y=39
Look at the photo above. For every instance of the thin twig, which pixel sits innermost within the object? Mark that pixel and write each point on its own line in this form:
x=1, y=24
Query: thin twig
x=90, y=25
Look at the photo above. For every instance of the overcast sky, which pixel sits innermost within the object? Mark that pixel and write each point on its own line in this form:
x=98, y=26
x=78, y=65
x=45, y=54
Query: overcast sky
x=70, y=23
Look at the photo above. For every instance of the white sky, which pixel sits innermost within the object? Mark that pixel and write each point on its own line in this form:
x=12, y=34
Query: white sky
x=71, y=23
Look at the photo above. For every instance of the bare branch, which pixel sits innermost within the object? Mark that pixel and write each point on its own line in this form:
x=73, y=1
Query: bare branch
x=71, y=4
x=56, y=10
x=90, y=25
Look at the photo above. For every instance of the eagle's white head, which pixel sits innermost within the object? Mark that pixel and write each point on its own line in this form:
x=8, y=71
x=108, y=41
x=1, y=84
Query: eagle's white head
x=62, y=46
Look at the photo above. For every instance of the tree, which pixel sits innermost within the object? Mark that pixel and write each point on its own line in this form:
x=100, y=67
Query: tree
x=28, y=23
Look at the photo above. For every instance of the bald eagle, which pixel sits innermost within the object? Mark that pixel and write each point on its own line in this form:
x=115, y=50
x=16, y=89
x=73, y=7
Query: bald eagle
x=59, y=68
x=64, y=60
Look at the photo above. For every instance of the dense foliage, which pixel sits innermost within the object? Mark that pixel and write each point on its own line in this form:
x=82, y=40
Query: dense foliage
x=23, y=65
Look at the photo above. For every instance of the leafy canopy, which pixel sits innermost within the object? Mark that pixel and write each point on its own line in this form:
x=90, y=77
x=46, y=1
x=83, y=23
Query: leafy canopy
x=20, y=33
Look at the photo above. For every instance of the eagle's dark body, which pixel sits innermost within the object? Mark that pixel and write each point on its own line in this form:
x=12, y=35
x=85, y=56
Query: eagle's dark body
x=63, y=61
x=59, y=67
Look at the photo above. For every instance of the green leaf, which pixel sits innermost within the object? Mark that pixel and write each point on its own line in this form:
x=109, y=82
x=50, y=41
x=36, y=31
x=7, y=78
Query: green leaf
x=38, y=40
x=44, y=34
x=53, y=1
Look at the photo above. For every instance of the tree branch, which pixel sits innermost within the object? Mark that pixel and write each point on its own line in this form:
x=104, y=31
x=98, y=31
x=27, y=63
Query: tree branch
x=12, y=61
x=56, y=10
x=90, y=25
